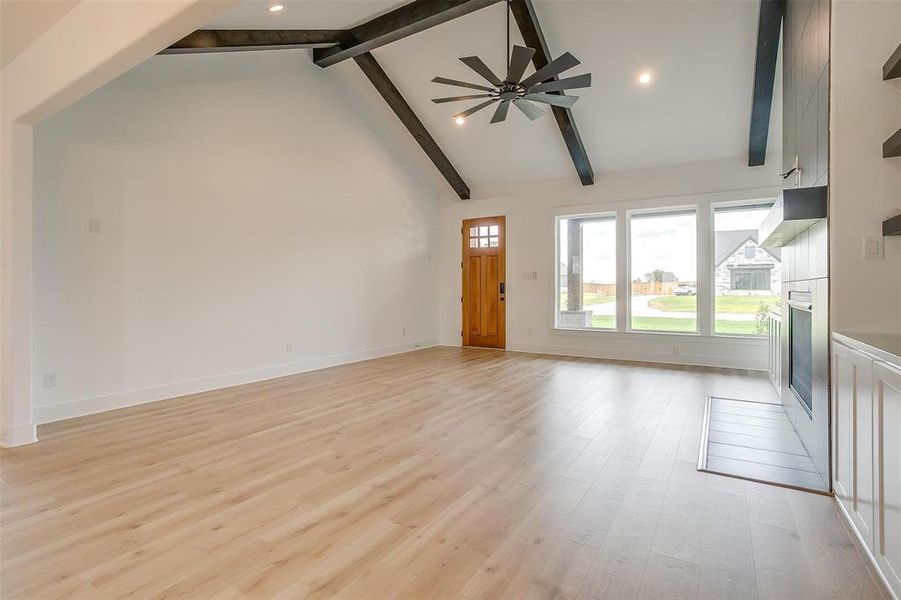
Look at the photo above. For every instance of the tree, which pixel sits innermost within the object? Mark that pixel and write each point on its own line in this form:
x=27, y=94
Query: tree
x=761, y=319
x=660, y=276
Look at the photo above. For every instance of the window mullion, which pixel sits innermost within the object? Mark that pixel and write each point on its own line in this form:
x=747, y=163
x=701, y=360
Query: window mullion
x=705, y=270
x=623, y=287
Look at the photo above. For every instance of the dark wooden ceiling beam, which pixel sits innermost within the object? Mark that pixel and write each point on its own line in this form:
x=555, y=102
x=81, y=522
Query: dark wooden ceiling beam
x=241, y=40
x=374, y=72
x=397, y=24
x=768, y=29
x=527, y=21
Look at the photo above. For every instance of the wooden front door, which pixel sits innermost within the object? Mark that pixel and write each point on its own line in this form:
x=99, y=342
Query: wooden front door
x=484, y=282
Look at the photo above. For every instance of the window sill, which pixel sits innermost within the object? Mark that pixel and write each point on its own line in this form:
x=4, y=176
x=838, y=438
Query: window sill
x=738, y=336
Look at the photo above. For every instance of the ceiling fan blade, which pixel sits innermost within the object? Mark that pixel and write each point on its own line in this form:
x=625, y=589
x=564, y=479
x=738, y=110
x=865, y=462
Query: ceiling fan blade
x=569, y=83
x=501, y=113
x=552, y=69
x=475, y=63
x=519, y=60
x=472, y=86
x=475, y=108
x=528, y=109
x=552, y=99
x=457, y=98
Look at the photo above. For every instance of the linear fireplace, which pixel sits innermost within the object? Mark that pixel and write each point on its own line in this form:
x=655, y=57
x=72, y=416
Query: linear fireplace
x=805, y=350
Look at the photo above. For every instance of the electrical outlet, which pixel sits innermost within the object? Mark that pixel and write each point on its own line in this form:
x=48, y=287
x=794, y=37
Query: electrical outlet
x=289, y=347
x=403, y=331
x=49, y=380
x=530, y=331
x=94, y=225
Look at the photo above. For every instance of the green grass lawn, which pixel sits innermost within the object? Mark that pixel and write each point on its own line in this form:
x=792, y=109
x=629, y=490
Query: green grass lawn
x=665, y=324
x=603, y=321
x=724, y=304
x=676, y=325
x=588, y=298
x=648, y=323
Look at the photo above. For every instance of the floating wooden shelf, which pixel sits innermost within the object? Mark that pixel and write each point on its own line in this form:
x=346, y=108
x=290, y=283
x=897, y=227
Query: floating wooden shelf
x=892, y=226
x=892, y=146
x=892, y=67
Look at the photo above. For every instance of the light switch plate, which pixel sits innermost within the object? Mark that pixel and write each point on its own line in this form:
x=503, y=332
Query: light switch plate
x=873, y=248
x=94, y=225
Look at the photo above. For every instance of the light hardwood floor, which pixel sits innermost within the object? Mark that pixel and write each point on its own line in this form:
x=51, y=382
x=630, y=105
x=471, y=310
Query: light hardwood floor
x=440, y=473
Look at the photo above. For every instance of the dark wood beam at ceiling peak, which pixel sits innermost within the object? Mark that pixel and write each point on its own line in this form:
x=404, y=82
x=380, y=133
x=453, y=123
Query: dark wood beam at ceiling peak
x=769, y=28
x=527, y=21
x=379, y=79
x=241, y=40
x=404, y=21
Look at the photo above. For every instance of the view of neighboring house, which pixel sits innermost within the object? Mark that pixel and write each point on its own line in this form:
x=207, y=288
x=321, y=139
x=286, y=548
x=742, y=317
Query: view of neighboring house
x=743, y=267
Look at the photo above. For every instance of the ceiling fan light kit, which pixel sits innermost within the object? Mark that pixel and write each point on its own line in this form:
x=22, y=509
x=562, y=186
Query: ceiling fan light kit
x=542, y=86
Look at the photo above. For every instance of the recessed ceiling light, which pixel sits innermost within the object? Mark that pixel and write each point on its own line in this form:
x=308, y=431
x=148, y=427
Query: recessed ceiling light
x=644, y=78
x=276, y=7
x=459, y=120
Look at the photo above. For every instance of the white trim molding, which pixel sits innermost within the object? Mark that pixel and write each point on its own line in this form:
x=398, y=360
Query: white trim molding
x=88, y=406
x=18, y=435
x=671, y=349
x=704, y=356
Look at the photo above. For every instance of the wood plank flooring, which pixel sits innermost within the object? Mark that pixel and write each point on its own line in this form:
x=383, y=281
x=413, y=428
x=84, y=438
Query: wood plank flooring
x=443, y=473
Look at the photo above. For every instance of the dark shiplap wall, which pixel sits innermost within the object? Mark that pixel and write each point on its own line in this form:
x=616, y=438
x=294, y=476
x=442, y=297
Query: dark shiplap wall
x=805, y=56
x=805, y=261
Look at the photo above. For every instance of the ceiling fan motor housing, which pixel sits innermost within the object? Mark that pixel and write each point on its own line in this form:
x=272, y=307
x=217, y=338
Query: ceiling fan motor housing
x=511, y=91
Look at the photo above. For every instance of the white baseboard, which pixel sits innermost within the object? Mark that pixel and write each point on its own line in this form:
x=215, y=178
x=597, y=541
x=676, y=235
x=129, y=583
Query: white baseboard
x=699, y=360
x=18, y=435
x=862, y=546
x=88, y=406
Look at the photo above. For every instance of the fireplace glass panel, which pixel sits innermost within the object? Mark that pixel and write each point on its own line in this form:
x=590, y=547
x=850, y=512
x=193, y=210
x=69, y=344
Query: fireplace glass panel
x=801, y=356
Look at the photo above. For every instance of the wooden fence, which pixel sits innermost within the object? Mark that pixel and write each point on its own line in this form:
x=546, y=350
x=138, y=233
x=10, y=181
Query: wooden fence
x=639, y=288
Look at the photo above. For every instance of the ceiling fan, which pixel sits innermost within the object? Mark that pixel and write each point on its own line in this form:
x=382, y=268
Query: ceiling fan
x=522, y=93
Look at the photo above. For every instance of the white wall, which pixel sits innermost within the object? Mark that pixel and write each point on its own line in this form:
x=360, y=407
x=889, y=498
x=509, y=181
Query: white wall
x=246, y=201
x=63, y=48
x=865, y=188
x=530, y=247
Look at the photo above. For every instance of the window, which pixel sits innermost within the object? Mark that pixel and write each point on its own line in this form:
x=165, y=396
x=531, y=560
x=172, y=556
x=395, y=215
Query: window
x=746, y=276
x=484, y=236
x=655, y=261
x=752, y=279
x=664, y=262
x=586, y=282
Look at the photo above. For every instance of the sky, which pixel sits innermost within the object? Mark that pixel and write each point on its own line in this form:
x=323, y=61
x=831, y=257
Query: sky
x=663, y=241
x=666, y=242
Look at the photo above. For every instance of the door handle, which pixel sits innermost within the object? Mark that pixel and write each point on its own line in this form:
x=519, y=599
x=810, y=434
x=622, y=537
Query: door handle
x=503, y=288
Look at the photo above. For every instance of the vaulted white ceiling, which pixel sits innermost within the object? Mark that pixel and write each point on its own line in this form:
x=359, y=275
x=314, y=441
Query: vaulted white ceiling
x=698, y=108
